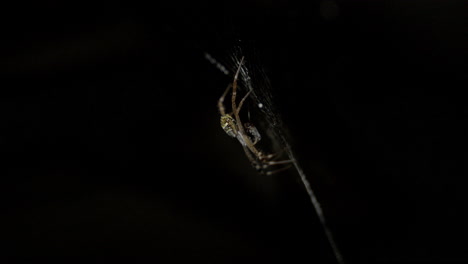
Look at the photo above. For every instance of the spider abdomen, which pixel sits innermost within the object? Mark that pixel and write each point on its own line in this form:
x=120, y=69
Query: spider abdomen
x=229, y=125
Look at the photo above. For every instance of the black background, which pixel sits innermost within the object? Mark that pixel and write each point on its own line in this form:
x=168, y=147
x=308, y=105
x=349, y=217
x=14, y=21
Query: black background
x=112, y=145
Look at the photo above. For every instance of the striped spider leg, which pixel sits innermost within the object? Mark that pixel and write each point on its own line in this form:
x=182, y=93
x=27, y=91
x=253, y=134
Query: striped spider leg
x=246, y=133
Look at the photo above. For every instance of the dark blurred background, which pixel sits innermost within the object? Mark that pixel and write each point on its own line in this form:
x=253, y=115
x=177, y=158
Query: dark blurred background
x=112, y=146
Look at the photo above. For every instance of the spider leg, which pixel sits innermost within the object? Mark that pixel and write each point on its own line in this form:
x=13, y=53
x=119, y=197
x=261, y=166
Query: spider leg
x=234, y=86
x=278, y=162
x=250, y=155
x=242, y=101
x=274, y=156
x=278, y=170
x=271, y=159
x=221, y=108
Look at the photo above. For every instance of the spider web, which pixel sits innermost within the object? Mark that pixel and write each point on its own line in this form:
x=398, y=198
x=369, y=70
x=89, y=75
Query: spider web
x=253, y=78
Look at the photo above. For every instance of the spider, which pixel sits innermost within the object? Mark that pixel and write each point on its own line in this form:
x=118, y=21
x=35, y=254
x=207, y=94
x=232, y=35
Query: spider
x=246, y=133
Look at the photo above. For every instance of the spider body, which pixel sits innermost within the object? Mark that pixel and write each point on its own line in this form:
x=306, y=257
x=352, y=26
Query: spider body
x=253, y=132
x=246, y=133
x=229, y=125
